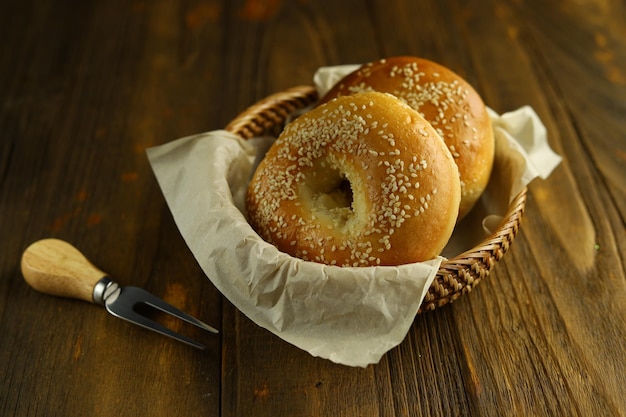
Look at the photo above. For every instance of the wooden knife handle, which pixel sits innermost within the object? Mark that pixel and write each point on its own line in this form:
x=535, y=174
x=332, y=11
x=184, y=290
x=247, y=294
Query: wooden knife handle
x=55, y=267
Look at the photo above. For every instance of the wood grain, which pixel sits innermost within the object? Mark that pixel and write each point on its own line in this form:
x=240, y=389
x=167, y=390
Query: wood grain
x=88, y=86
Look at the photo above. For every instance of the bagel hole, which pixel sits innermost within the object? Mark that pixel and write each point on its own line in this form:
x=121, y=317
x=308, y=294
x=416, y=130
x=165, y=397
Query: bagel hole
x=331, y=196
x=338, y=196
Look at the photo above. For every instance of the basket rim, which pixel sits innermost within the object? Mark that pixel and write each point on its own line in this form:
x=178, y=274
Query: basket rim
x=456, y=276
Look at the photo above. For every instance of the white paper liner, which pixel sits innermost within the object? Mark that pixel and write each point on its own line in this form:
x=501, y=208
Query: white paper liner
x=351, y=316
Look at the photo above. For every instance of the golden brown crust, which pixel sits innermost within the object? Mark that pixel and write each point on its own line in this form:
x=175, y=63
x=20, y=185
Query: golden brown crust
x=447, y=101
x=362, y=180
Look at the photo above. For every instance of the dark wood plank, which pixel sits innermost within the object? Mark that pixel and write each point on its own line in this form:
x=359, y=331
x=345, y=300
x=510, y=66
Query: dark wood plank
x=597, y=58
x=86, y=103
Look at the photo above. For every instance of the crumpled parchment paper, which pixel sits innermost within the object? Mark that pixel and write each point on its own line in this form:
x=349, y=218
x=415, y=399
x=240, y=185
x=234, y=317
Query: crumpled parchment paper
x=351, y=316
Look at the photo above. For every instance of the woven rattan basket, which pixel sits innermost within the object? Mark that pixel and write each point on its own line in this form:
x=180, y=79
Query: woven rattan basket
x=456, y=276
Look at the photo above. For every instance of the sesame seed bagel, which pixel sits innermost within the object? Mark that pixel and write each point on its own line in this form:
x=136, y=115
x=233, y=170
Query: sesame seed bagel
x=362, y=180
x=447, y=101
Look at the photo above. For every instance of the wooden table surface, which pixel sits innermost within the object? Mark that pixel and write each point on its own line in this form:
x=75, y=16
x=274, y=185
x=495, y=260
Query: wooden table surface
x=88, y=86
